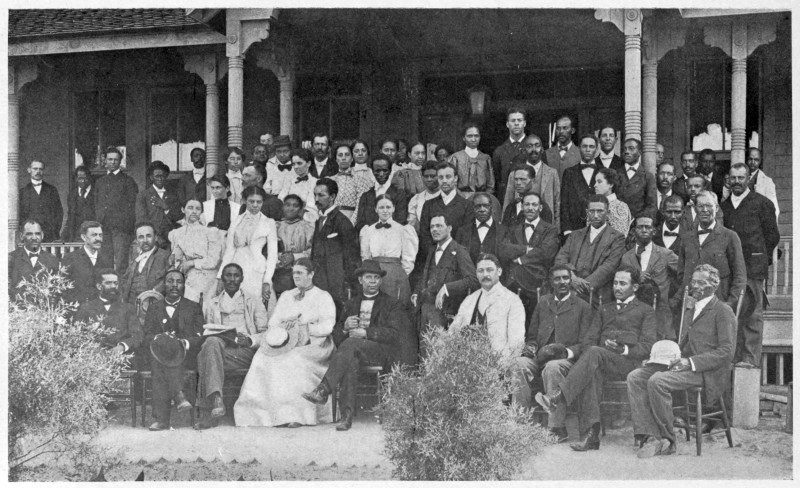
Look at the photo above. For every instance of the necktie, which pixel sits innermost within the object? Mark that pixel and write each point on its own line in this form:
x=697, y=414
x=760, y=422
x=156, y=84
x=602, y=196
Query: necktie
x=620, y=305
x=483, y=224
x=587, y=166
x=37, y=183
x=382, y=226
x=33, y=254
x=285, y=167
x=82, y=192
x=562, y=148
x=639, y=252
x=629, y=169
x=346, y=173
x=364, y=297
x=668, y=233
x=304, y=178
x=703, y=231
x=530, y=226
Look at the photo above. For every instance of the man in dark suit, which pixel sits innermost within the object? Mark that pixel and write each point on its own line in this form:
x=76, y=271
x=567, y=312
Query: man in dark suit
x=638, y=189
x=619, y=339
x=182, y=319
x=80, y=205
x=594, y=252
x=657, y=264
x=752, y=216
x=254, y=175
x=713, y=173
x=523, y=179
x=334, y=247
x=668, y=231
x=145, y=271
x=706, y=352
x=323, y=166
x=564, y=153
x=158, y=204
x=39, y=201
x=192, y=186
x=689, y=169
x=606, y=158
x=577, y=185
x=381, y=169
x=448, y=277
x=665, y=183
x=124, y=333
x=372, y=329
x=24, y=262
x=536, y=243
x=561, y=321
x=711, y=243
x=81, y=264
x=484, y=234
x=115, y=205
x=503, y=156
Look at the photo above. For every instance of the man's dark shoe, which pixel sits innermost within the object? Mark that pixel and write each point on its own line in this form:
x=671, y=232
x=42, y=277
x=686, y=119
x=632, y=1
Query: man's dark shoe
x=560, y=433
x=318, y=395
x=294, y=425
x=592, y=443
x=347, y=420
x=667, y=447
x=219, y=407
x=549, y=401
x=156, y=426
x=651, y=447
x=639, y=440
x=182, y=403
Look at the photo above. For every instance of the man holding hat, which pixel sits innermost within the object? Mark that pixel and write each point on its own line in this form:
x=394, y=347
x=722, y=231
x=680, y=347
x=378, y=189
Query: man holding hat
x=174, y=333
x=703, y=358
x=372, y=329
x=279, y=168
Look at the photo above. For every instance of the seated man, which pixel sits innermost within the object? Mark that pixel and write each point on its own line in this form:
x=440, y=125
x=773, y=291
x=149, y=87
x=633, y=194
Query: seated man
x=553, y=342
x=372, y=329
x=626, y=329
x=80, y=265
x=24, y=262
x=231, y=309
x=145, y=271
x=182, y=319
x=124, y=333
x=706, y=353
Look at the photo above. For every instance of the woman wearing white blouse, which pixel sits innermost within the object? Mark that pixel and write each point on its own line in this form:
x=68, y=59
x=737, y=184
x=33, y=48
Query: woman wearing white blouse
x=392, y=245
x=619, y=215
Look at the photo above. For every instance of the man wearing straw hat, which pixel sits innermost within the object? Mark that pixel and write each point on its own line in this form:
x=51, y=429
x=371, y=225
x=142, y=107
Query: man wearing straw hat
x=702, y=358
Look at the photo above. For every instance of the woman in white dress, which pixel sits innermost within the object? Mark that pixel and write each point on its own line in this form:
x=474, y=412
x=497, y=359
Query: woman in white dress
x=246, y=238
x=271, y=394
x=394, y=246
x=220, y=210
x=197, y=252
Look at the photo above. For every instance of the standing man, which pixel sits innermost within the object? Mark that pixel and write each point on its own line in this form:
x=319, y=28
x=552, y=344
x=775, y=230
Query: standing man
x=668, y=233
x=415, y=204
x=322, y=167
x=689, y=168
x=553, y=342
x=484, y=235
x=146, y=271
x=235, y=162
x=638, y=188
x=759, y=181
x=752, y=216
x=80, y=205
x=665, y=181
x=381, y=169
x=299, y=182
x=24, y=262
x=279, y=169
x=81, y=264
x=503, y=156
x=594, y=252
x=619, y=339
x=115, y=206
x=334, y=247
x=39, y=201
x=657, y=264
x=456, y=208
x=564, y=154
x=260, y=155
x=606, y=158
x=577, y=185
x=545, y=181
x=714, y=174
x=523, y=178
x=659, y=154
x=192, y=186
x=159, y=205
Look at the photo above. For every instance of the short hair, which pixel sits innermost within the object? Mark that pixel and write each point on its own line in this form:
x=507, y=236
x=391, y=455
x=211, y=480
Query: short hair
x=262, y=171
x=383, y=142
x=301, y=153
x=307, y=263
x=221, y=179
x=430, y=165
x=384, y=196
x=711, y=195
x=713, y=274
x=234, y=265
x=174, y=270
x=83, y=169
x=197, y=149
x=99, y=273
x=665, y=163
x=321, y=134
x=297, y=198
x=152, y=167
x=487, y=256
x=444, y=146
x=481, y=194
x=740, y=166
x=415, y=144
x=699, y=177
x=636, y=276
x=259, y=144
x=113, y=149
x=89, y=224
x=529, y=193
x=340, y=144
x=605, y=126
x=469, y=125
x=381, y=157
x=561, y=267
x=597, y=199
x=526, y=168
x=143, y=223
x=442, y=215
x=331, y=185
x=31, y=222
x=359, y=141
x=637, y=141
x=446, y=165
x=235, y=150
x=611, y=176
x=254, y=190
x=673, y=199
x=687, y=153
x=515, y=110
x=568, y=117
x=708, y=152
x=591, y=136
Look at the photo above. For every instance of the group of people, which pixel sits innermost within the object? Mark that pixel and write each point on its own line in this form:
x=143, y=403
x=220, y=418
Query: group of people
x=303, y=264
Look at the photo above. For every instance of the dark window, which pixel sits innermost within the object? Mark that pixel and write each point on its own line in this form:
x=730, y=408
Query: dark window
x=177, y=125
x=98, y=121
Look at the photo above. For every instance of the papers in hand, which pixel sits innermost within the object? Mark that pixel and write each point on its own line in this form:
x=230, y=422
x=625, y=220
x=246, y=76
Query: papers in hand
x=225, y=332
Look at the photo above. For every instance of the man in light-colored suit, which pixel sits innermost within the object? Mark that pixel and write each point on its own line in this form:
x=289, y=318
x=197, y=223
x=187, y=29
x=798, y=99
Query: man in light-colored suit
x=564, y=154
x=546, y=180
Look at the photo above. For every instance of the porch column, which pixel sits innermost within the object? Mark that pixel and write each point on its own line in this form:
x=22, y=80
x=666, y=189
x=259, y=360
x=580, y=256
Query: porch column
x=19, y=73
x=278, y=56
x=235, y=100
x=209, y=67
x=287, y=103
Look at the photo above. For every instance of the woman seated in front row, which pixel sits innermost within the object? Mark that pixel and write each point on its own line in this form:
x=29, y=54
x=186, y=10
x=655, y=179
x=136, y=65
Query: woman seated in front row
x=292, y=358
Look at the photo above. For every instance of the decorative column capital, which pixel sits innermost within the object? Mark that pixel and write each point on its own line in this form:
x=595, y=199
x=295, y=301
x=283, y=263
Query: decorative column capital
x=245, y=26
x=211, y=67
x=658, y=41
x=20, y=73
x=280, y=59
x=740, y=38
x=628, y=21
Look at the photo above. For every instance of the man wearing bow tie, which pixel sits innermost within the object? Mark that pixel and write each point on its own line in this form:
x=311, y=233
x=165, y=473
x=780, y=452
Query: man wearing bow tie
x=115, y=205
x=279, y=168
x=39, y=201
x=300, y=182
x=381, y=169
x=577, y=185
x=544, y=181
x=706, y=346
x=503, y=156
x=145, y=271
x=606, y=158
x=668, y=229
x=81, y=264
x=192, y=186
x=485, y=234
x=638, y=189
x=564, y=153
x=618, y=340
x=80, y=204
x=28, y=260
x=372, y=329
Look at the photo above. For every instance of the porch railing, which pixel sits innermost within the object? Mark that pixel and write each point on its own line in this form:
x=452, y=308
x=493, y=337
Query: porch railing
x=780, y=276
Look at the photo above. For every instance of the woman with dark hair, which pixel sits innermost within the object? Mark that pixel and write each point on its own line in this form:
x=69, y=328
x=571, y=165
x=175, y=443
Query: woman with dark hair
x=351, y=185
x=474, y=168
x=361, y=160
x=220, y=210
x=235, y=162
x=619, y=215
x=292, y=358
x=246, y=238
x=394, y=246
x=442, y=152
x=196, y=252
x=294, y=242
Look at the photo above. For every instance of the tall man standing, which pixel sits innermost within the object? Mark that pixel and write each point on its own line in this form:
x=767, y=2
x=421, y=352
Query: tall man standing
x=712, y=172
x=321, y=166
x=564, y=154
x=752, y=216
x=456, y=208
x=544, y=181
x=503, y=156
x=638, y=188
x=606, y=158
x=668, y=233
x=192, y=186
x=689, y=168
x=39, y=201
x=80, y=205
x=158, y=204
x=665, y=182
x=116, y=208
x=577, y=185
x=381, y=169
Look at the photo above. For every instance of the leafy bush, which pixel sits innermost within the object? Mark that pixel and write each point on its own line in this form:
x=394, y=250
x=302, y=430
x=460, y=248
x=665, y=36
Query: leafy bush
x=447, y=421
x=57, y=377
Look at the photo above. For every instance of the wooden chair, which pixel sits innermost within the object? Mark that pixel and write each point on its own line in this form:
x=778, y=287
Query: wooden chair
x=189, y=380
x=693, y=413
x=122, y=391
x=363, y=389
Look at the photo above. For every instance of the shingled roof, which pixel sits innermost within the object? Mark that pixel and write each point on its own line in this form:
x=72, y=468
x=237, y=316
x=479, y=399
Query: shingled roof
x=25, y=24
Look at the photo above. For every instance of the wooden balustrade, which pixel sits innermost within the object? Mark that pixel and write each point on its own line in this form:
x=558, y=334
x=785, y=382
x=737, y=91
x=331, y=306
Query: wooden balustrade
x=780, y=276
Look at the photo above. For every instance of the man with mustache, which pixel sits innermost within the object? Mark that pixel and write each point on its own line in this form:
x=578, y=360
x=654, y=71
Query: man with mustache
x=712, y=172
x=706, y=351
x=39, y=200
x=503, y=157
x=668, y=231
x=146, y=271
x=564, y=153
x=81, y=264
x=26, y=261
x=752, y=217
x=544, y=180
x=322, y=166
x=759, y=182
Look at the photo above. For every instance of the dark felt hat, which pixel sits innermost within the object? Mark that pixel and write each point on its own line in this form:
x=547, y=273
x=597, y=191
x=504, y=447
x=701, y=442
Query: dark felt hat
x=281, y=141
x=168, y=350
x=370, y=266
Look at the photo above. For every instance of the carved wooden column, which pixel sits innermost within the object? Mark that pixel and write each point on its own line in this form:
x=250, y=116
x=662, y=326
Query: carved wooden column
x=279, y=57
x=19, y=74
x=286, y=81
x=235, y=100
x=210, y=68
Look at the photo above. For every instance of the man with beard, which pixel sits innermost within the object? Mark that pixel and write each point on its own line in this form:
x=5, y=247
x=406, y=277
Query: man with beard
x=503, y=157
x=279, y=169
x=122, y=333
x=26, y=261
x=706, y=351
x=145, y=271
x=563, y=154
x=334, y=247
x=115, y=206
x=606, y=157
x=638, y=188
x=689, y=167
x=80, y=265
x=192, y=186
x=713, y=173
x=759, y=182
x=254, y=176
x=619, y=339
x=577, y=185
x=322, y=167
x=544, y=181
x=381, y=169
x=39, y=200
x=260, y=155
x=665, y=182
x=752, y=217
x=668, y=233
x=182, y=319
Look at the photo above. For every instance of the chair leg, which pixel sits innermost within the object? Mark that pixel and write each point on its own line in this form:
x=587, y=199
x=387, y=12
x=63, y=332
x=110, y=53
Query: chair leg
x=686, y=413
x=726, y=422
x=698, y=433
x=133, y=398
x=144, y=400
x=334, y=397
